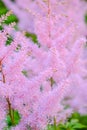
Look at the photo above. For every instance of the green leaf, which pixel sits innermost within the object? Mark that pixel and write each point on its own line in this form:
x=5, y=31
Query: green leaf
x=78, y=120
x=32, y=36
x=75, y=115
x=79, y=126
x=16, y=118
x=1, y=28
x=7, y=128
x=9, y=40
x=50, y=127
x=83, y=119
x=4, y=10
x=10, y=19
x=25, y=73
x=75, y=122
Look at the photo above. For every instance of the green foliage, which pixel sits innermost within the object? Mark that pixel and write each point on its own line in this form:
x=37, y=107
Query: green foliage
x=4, y=10
x=72, y=125
x=81, y=118
x=11, y=18
x=16, y=119
x=75, y=122
x=32, y=36
x=1, y=28
x=9, y=40
x=24, y=72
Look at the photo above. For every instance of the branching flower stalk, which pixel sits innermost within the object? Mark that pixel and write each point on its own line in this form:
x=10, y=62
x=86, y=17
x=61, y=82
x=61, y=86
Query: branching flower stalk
x=48, y=15
x=35, y=79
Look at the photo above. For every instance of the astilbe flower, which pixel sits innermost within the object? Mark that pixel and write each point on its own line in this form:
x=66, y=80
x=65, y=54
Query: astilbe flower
x=78, y=98
x=26, y=21
x=19, y=8
x=34, y=79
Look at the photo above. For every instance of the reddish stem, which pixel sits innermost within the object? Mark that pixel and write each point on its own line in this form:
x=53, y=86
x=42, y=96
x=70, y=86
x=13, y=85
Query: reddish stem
x=11, y=111
x=1, y=71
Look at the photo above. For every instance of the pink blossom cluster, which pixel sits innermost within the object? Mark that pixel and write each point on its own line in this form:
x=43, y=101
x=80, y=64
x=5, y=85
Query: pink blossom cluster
x=24, y=9
x=19, y=7
x=35, y=79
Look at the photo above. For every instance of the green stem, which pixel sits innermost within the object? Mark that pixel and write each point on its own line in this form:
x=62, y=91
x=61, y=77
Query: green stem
x=55, y=128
